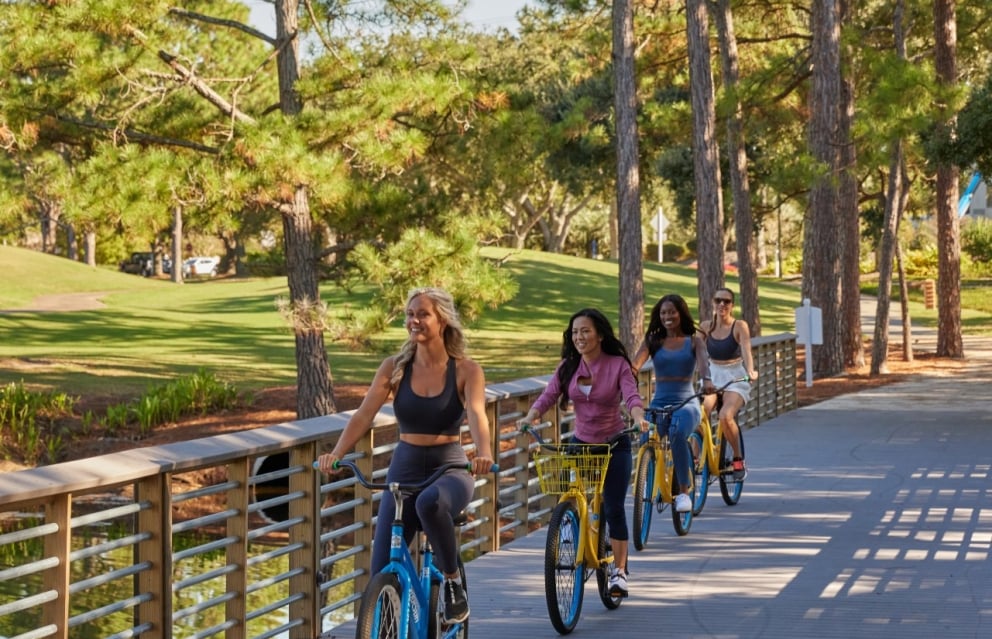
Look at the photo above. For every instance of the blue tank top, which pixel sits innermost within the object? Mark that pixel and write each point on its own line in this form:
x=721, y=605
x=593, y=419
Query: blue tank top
x=438, y=415
x=723, y=350
x=677, y=363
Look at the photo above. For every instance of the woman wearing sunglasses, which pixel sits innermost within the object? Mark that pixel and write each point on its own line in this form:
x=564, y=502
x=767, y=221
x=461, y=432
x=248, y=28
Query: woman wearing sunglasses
x=728, y=343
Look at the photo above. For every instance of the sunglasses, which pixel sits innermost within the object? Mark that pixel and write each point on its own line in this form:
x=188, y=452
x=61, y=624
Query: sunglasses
x=722, y=300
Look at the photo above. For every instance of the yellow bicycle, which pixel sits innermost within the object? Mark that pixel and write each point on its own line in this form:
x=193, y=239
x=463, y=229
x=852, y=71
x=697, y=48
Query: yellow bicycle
x=715, y=458
x=655, y=482
x=577, y=545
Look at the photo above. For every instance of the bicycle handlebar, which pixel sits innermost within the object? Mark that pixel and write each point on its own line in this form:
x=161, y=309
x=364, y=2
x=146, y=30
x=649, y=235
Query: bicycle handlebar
x=365, y=481
x=653, y=414
x=526, y=428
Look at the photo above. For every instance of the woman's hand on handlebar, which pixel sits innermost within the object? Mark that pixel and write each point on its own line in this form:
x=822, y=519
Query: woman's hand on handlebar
x=637, y=414
x=482, y=465
x=528, y=420
x=328, y=463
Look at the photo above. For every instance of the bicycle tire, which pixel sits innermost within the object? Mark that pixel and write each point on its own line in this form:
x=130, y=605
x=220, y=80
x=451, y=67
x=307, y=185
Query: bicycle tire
x=702, y=471
x=730, y=488
x=682, y=522
x=644, y=490
x=382, y=604
x=437, y=628
x=604, y=570
x=564, y=579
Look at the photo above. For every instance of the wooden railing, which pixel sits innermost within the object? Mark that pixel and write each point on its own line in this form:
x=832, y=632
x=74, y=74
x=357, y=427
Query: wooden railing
x=288, y=549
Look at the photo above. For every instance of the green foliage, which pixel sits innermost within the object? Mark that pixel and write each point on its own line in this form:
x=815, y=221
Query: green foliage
x=31, y=427
x=920, y=263
x=195, y=394
x=976, y=240
x=422, y=258
x=34, y=424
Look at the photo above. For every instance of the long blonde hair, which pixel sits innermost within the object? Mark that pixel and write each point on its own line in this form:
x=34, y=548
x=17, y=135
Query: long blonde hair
x=454, y=334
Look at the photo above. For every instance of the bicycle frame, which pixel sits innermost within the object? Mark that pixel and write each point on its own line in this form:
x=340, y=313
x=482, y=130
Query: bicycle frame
x=712, y=436
x=577, y=477
x=588, y=534
x=662, y=472
x=413, y=582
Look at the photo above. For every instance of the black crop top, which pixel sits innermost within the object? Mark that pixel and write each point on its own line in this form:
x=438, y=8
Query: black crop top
x=438, y=415
x=723, y=350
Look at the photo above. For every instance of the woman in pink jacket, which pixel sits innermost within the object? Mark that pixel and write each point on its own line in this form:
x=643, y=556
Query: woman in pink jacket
x=595, y=375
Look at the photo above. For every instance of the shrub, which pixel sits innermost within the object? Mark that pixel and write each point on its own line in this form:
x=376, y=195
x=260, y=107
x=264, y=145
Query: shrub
x=976, y=240
x=31, y=427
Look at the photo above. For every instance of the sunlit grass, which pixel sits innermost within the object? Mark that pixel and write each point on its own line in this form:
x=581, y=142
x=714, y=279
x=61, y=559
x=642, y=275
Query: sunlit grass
x=151, y=331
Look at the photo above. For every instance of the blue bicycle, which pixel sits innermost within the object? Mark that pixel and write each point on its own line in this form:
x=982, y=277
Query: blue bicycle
x=396, y=599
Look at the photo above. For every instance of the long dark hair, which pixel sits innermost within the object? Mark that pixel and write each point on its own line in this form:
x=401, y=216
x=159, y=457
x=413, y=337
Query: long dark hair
x=656, y=333
x=570, y=355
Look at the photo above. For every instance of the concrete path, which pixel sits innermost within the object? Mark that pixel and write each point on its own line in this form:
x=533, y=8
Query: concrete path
x=869, y=515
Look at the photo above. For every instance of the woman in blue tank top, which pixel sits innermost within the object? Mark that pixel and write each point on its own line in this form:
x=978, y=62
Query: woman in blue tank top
x=434, y=387
x=676, y=350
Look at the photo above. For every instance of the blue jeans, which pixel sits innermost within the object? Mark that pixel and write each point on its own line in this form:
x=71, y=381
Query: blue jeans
x=684, y=421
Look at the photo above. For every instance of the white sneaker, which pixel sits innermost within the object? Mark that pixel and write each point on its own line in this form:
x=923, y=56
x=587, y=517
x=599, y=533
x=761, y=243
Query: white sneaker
x=682, y=503
x=565, y=535
x=618, y=583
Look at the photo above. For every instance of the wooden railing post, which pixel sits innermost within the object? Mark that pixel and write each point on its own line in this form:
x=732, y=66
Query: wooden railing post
x=59, y=545
x=237, y=554
x=157, y=551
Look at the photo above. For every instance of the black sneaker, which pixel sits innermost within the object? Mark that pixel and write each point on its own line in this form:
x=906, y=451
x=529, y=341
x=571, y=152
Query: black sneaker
x=455, y=602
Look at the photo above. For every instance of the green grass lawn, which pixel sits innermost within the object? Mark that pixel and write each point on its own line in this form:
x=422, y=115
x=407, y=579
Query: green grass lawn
x=152, y=331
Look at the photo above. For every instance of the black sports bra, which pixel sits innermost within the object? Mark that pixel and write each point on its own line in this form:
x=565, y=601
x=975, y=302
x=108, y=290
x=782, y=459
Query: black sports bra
x=438, y=415
x=723, y=350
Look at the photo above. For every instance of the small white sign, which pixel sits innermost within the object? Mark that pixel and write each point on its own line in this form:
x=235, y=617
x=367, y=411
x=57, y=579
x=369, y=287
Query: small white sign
x=809, y=331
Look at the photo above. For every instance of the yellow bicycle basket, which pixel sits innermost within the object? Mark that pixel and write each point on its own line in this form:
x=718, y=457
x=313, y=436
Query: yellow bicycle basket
x=583, y=465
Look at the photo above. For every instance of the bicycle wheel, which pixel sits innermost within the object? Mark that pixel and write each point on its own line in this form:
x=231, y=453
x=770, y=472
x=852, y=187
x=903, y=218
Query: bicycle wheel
x=701, y=469
x=564, y=578
x=644, y=490
x=730, y=488
x=437, y=628
x=683, y=521
x=382, y=603
x=604, y=570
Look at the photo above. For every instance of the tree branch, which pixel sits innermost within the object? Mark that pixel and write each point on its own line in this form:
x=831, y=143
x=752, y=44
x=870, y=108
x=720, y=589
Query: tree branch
x=137, y=136
x=233, y=24
x=201, y=87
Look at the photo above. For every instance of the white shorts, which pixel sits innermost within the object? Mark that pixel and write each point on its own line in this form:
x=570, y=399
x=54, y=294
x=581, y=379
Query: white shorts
x=723, y=373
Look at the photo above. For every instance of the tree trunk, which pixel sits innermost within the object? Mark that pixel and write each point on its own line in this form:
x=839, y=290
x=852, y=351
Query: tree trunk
x=89, y=248
x=949, y=343
x=886, y=258
x=907, y=321
x=743, y=219
x=851, y=339
x=177, y=244
x=705, y=158
x=821, y=250
x=888, y=248
x=314, y=389
x=631, y=321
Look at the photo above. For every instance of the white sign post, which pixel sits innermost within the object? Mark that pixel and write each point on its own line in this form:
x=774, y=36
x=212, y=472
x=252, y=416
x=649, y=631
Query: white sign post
x=809, y=331
x=659, y=223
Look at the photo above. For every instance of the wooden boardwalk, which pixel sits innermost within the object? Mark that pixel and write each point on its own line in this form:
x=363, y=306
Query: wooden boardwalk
x=869, y=515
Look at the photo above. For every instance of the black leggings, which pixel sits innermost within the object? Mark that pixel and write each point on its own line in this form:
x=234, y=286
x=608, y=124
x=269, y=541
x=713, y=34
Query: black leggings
x=615, y=487
x=433, y=509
